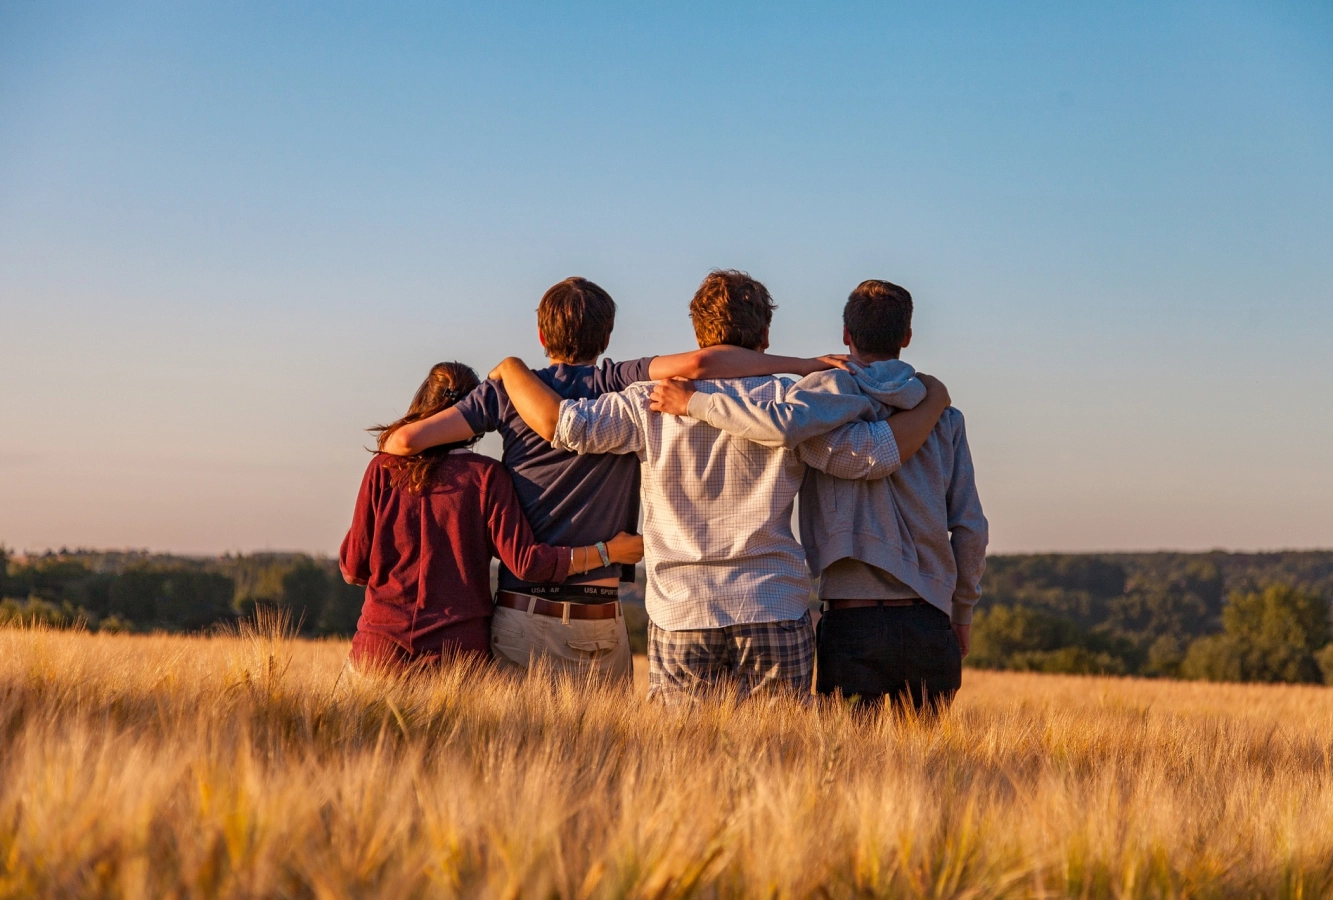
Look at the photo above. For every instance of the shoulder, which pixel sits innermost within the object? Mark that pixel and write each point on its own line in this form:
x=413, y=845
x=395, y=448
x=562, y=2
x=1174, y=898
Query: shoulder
x=475, y=471
x=479, y=407
x=635, y=397
x=616, y=376
x=635, y=394
x=829, y=381
x=485, y=466
x=951, y=423
x=759, y=387
x=628, y=365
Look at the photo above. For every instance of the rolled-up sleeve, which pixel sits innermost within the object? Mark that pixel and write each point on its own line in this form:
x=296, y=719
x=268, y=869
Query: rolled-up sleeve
x=860, y=451
x=612, y=423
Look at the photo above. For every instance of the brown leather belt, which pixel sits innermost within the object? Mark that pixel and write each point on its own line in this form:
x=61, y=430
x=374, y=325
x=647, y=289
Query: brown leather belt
x=862, y=604
x=559, y=610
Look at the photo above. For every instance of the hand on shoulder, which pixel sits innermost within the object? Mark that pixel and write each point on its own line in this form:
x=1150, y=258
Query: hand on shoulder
x=672, y=395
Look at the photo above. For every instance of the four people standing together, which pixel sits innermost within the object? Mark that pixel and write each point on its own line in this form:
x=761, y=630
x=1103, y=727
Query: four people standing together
x=714, y=449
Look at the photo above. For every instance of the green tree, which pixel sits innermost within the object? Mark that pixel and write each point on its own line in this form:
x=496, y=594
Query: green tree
x=1164, y=657
x=133, y=596
x=1271, y=636
x=1001, y=633
x=190, y=600
x=305, y=590
x=342, y=609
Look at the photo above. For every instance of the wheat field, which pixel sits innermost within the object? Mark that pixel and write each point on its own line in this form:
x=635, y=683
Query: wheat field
x=255, y=765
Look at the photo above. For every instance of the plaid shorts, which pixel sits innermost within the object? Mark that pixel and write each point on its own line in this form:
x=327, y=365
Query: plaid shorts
x=760, y=657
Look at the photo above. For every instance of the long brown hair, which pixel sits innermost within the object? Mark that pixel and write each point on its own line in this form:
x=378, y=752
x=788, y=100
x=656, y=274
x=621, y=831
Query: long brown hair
x=447, y=383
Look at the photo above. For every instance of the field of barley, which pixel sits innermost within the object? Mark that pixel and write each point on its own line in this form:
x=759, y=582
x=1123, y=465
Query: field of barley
x=255, y=765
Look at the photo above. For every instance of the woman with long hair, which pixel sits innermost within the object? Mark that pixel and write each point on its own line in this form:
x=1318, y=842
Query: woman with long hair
x=423, y=535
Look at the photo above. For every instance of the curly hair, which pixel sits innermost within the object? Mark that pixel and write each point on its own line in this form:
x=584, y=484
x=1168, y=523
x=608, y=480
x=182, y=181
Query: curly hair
x=730, y=307
x=447, y=383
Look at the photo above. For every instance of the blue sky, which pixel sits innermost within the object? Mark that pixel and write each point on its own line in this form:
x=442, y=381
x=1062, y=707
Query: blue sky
x=232, y=236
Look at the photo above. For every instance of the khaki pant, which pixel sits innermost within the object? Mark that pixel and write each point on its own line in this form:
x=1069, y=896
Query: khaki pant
x=575, y=648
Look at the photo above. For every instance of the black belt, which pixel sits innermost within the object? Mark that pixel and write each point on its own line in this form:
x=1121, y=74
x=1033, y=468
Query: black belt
x=864, y=604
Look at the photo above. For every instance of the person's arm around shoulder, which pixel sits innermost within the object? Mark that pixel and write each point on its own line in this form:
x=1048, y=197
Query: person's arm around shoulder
x=447, y=427
x=533, y=400
x=513, y=541
x=604, y=425
x=854, y=450
x=874, y=450
x=969, y=532
x=727, y=361
x=815, y=405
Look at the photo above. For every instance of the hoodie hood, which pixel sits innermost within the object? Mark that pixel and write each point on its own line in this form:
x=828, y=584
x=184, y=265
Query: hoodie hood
x=890, y=381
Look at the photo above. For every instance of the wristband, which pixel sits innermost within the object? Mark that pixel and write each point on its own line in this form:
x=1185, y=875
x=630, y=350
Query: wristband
x=601, y=551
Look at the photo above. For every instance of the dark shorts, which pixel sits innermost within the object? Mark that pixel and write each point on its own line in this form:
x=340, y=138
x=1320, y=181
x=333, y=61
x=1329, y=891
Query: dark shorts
x=905, y=654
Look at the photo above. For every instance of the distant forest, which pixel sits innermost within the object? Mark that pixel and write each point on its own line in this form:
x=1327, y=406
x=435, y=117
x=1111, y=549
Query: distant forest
x=132, y=591
x=1218, y=616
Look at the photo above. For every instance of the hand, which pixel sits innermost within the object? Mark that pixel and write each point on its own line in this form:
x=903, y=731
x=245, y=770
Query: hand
x=498, y=373
x=672, y=396
x=935, y=389
x=964, y=635
x=834, y=361
x=625, y=548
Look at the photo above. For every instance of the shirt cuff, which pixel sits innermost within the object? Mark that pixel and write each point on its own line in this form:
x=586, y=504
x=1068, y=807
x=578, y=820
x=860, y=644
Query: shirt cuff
x=570, y=428
x=895, y=459
x=562, y=560
x=697, y=408
x=962, y=613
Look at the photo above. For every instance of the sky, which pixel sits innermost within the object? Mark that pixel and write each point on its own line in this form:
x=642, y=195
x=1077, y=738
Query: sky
x=234, y=235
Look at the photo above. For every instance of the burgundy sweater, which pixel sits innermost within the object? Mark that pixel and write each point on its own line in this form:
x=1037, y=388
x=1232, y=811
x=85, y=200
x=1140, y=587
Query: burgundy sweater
x=425, y=559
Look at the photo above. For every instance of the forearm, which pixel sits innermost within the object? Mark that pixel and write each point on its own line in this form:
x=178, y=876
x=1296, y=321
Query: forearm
x=860, y=451
x=726, y=361
x=447, y=427
x=968, y=543
x=912, y=427
x=801, y=415
x=534, y=401
x=608, y=424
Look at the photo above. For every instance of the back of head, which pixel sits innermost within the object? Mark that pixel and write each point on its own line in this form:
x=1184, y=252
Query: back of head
x=447, y=383
x=878, y=317
x=576, y=318
x=730, y=307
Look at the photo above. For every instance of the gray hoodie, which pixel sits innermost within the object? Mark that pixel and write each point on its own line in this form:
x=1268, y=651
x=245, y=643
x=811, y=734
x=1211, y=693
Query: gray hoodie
x=923, y=524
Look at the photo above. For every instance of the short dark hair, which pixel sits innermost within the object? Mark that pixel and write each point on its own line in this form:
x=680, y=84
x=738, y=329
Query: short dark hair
x=730, y=307
x=576, y=318
x=878, y=316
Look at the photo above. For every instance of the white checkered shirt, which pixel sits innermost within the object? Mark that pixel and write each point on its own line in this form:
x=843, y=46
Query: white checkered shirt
x=718, y=543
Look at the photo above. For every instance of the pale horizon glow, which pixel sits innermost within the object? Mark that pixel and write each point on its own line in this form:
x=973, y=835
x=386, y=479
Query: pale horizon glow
x=233, y=237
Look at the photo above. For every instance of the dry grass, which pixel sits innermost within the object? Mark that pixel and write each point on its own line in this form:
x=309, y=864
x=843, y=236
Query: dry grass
x=250, y=767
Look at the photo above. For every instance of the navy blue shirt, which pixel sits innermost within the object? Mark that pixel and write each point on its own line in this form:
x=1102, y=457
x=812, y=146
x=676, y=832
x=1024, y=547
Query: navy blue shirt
x=570, y=500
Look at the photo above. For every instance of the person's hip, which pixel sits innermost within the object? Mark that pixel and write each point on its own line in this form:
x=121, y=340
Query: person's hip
x=564, y=639
x=882, y=648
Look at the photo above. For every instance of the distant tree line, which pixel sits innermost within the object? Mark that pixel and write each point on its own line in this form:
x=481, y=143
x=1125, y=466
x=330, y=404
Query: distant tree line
x=1216, y=616
x=145, y=592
